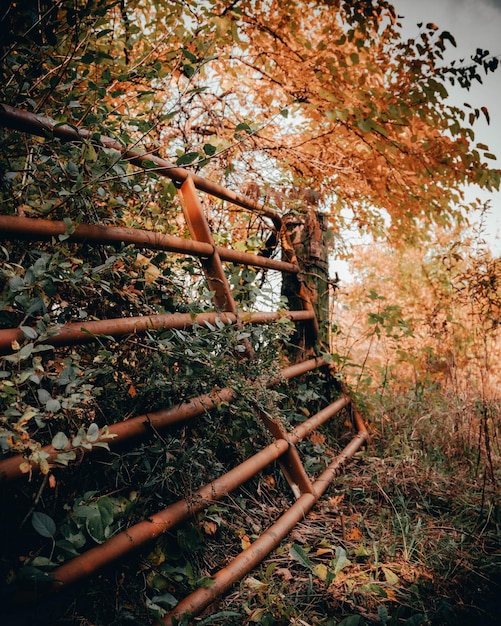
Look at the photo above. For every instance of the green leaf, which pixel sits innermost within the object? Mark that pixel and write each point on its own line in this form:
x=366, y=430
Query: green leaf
x=43, y=395
x=53, y=405
x=43, y=524
x=187, y=158
x=93, y=433
x=86, y=511
x=382, y=612
x=341, y=560
x=65, y=457
x=365, y=125
x=209, y=149
x=96, y=529
x=189, y=55
x=351, y=620
x=106, y=510
x=28, y=332
x=67, y=547
x=16, y=283
x=298, y=554
x=35, y=575
x=60, y=441
x=25, y=351
x=188, y=70
x=391, y=577
x=43, y=561
x=166, y=600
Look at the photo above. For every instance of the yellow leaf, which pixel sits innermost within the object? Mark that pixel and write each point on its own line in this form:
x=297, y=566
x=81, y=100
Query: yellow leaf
x=391, y=577
x=334, y=501
x=391, y=595
x=320, y=571
x=141, y=260
x=25, y=467
x=256, y=615
x=254, y=583
x=151, y=274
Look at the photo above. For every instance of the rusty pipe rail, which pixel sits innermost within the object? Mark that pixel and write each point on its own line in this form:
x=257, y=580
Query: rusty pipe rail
x=27, y=122
x=247, y=560
x=40, y=230
x=156, y=524
x=142, y=532
x=84, y=332
x=282, y=450
x=141, y=425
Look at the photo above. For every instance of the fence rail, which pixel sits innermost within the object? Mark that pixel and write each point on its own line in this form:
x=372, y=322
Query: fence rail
x=201, y=245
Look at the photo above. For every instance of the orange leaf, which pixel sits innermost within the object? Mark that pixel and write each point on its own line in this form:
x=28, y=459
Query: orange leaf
x=317, y=438
x=354, y=535
x=210, y=528
x=334, y=501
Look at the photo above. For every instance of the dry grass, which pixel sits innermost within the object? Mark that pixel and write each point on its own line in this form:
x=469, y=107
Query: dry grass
x=419, y=518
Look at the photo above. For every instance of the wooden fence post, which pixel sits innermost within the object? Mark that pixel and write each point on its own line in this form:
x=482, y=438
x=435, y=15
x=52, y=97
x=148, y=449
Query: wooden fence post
x=306, y=234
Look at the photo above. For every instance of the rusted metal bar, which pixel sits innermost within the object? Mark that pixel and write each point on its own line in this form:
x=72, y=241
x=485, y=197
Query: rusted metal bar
x=39, y=229
x=290, y=464
x=141, y=425
x=39, y=125
x=311, y=424
x=247, y=560
x=200, y=231
x=160, y=522
x=156, y=524
x=84, y=332
x=298, y=369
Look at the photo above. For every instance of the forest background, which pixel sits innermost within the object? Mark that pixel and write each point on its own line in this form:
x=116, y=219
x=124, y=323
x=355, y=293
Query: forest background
x=310, y=108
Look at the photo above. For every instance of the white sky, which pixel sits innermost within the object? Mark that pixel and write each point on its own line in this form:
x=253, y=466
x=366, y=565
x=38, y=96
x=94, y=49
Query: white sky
x=474, y=24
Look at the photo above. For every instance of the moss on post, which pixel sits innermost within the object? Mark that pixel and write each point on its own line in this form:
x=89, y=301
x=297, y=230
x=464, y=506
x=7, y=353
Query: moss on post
x=306, y=234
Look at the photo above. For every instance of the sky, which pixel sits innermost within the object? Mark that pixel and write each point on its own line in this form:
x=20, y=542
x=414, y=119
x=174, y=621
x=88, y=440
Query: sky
x=474, y=24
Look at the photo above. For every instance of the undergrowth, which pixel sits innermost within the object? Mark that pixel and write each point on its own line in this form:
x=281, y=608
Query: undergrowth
x=410, y=534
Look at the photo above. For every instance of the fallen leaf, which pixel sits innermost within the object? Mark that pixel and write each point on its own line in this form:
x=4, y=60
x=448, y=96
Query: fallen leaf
x=354, y=535
x=334, y=501
x=321, y=571
x=284, y=573
x=321, y=551
x=391, y=577
x=317, y=438
x=254, y=583
x=209, y=527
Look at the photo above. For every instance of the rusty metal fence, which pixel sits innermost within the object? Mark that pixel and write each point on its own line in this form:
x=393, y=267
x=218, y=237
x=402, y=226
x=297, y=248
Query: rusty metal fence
x=212, y=257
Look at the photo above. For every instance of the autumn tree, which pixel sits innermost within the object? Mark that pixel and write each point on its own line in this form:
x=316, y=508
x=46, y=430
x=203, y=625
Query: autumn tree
x=322, y=95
